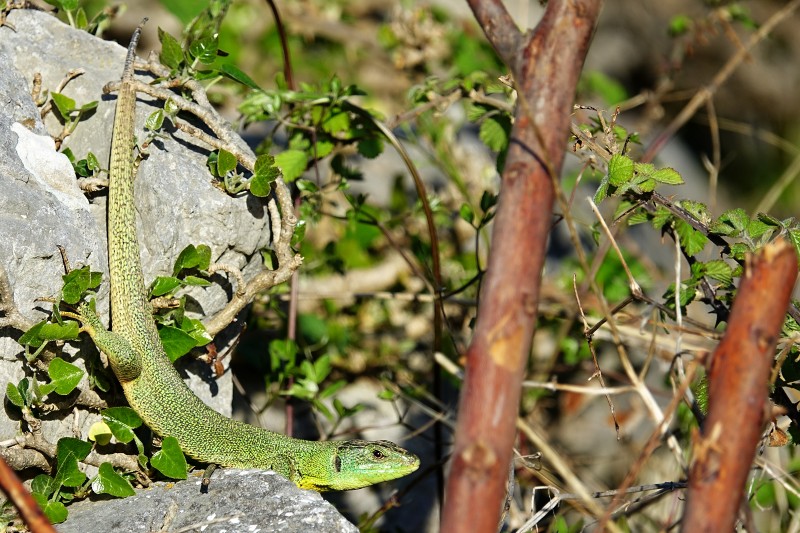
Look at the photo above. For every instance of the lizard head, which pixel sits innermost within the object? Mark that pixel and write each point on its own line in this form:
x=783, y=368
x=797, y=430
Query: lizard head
x=360, y=463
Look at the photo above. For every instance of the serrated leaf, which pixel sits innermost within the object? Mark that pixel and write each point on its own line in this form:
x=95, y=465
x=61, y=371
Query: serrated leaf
x=65, y=376
x=110, y=482
x=205, y=49
x=64, y=104
x=620, y=170
x=171, y=52
x=794, y=235
x=164, y=285
x=177, y=342
x=494, y=132
x=337, y=124
x=647, y=185
x=602, y=191
x=757, y=228
x=692, y=241
x=668, y=176
x=719, y=270
x=121, y=421
x=170, y=460
x=292, y=163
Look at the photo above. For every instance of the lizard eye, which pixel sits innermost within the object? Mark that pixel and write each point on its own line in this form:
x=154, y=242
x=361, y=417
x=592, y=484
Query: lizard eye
x=377, y=454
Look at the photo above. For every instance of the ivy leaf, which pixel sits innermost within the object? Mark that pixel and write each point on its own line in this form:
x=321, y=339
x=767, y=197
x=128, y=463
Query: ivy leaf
x=69, y=330
x=55, y=511
x=164, y=285
x=69, y=452
x=170, y=460
x=33, y=337
x=196, y=330
x=121, y=421
x=110, y=482
x=177, y=342
x=100, y=433
x=192, y=256
x=76, y=282
x=620, y=170
x=64, y=104
x=226, y=162
x=65, y=376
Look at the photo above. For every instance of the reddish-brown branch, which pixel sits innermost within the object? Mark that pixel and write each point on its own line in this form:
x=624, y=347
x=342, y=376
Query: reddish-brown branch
x=549, y=63
x=737, y=393
x=30, y=512
x=499, y=28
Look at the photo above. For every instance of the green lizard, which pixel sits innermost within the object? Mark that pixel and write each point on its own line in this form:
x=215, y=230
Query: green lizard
x=155, y=389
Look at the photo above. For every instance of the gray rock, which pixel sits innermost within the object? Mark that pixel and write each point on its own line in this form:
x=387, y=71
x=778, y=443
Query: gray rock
x=237, y=500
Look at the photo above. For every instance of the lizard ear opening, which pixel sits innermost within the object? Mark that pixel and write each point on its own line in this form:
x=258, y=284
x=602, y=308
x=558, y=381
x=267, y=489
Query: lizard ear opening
x=337, y=462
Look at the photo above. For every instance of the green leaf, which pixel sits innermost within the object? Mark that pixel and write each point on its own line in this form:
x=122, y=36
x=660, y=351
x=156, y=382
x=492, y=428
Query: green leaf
x=170, y=460
x=33, y=337
x=204, y=50
x=370, y=147
x=76, y=282
x=192, y=256
x=100, y=433
x=110, y=482
x=196, y=282
x=794, y=235
x=69, y=330
x=93, y=164
x=69, y=452
x=226, y=162
x=43, y=485
x=164, y=285
x=337, y=123
x=65, y=376
x=233, y=72
x=719, y=270
x=494, y=132
x=155, y=120
x=64, y=104
x=620, y=170
x=171, y=52
x=176, y=342
x=122, y=421
x=668, y=176
x=55, y=511
x=13, y=395
x=692, y=240
x=757, y=228
x=260, y=183
x=197, y=330
x=292, y=164
x=467, y=213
